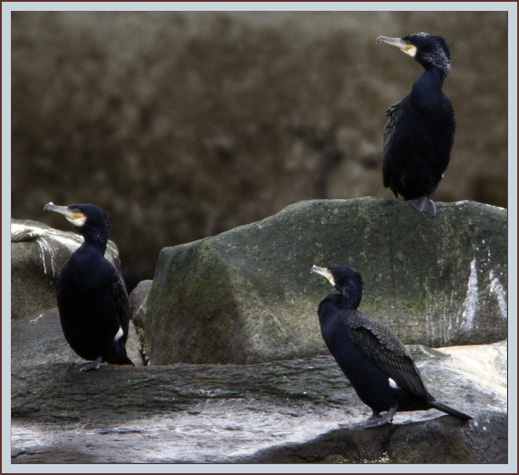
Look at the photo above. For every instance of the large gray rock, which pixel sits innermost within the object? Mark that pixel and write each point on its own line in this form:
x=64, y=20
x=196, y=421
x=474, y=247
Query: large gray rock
x=247, y=296
x=285, y=411
x=38, y=252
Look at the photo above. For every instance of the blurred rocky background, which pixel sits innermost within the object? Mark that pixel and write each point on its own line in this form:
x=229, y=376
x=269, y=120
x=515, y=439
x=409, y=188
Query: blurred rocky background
x=186, y=124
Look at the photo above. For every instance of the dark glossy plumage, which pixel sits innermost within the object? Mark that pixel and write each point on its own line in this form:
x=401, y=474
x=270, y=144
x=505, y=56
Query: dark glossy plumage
x=92, y=299
x=375, y=361
x=420, y=130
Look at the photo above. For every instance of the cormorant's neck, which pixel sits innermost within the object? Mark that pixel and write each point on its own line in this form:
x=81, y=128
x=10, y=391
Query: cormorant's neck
x=351, y=297
x=428, y=87
x=96, y=239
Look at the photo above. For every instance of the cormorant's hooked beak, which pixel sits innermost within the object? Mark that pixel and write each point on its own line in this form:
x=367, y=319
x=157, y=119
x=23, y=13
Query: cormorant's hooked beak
x=402, y=45
x=74, y=216
x=324, y=272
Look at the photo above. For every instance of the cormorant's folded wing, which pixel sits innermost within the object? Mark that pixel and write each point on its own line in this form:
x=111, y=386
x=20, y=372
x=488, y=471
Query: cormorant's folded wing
x=123, y=305
x=394, y=113
x=386, y=351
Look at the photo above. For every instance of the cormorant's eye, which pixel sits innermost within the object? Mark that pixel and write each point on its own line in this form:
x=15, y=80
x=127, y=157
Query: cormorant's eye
x=76, y=217
x=77, y=212
x=410, y=49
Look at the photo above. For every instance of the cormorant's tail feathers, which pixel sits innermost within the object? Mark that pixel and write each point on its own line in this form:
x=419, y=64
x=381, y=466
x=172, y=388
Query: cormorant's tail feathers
x=123, y=360
x=128, y=361
x=449, y=410
x=119, y=358
x=424, y=205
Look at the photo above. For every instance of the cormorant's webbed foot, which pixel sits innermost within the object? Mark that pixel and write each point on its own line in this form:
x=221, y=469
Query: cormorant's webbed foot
x=93, y=365
x=377, y=420
x=424, y=205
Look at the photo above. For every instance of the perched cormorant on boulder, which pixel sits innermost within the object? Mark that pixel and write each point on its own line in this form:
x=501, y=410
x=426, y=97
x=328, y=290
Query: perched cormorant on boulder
x=373, y=359
x=92, y=298
x=420, y=131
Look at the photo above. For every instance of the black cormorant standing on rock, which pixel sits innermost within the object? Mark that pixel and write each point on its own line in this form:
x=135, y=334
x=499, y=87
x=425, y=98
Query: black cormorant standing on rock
x=374, y=360
x=420, y=130
x=92, y=299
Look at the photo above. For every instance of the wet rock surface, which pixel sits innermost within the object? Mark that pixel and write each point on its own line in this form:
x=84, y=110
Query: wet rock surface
x=247, y=296
x=38, y=252
x=280, y=412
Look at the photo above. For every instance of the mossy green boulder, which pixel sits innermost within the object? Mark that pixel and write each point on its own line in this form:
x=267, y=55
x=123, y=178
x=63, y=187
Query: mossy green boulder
x=247, y=295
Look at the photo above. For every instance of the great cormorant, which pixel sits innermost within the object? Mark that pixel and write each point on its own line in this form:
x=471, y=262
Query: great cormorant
x=420, y=130
x=374, y=360
x=92, y=299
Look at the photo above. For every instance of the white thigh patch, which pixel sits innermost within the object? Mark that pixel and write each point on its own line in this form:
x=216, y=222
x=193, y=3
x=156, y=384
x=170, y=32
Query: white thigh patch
x=119, y=334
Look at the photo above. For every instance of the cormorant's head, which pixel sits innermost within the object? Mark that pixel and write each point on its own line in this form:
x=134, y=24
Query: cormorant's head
x=428, y=50
x=90, y=220
x=345, y=279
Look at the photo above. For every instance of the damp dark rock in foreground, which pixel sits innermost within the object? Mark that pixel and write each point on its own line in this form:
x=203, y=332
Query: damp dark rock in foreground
x=297, y=411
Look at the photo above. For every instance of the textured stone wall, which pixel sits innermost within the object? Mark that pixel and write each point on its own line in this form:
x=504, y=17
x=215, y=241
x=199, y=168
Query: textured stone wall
x=184, y=125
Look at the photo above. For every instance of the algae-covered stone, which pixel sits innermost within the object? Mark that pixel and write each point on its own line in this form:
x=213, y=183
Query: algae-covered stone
x=38, y=252
x=247, y=295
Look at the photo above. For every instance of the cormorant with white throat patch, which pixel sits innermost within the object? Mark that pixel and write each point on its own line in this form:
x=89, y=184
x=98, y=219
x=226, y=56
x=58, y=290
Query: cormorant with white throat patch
x=373, y=359
x=420, y=130
x=92, y=299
